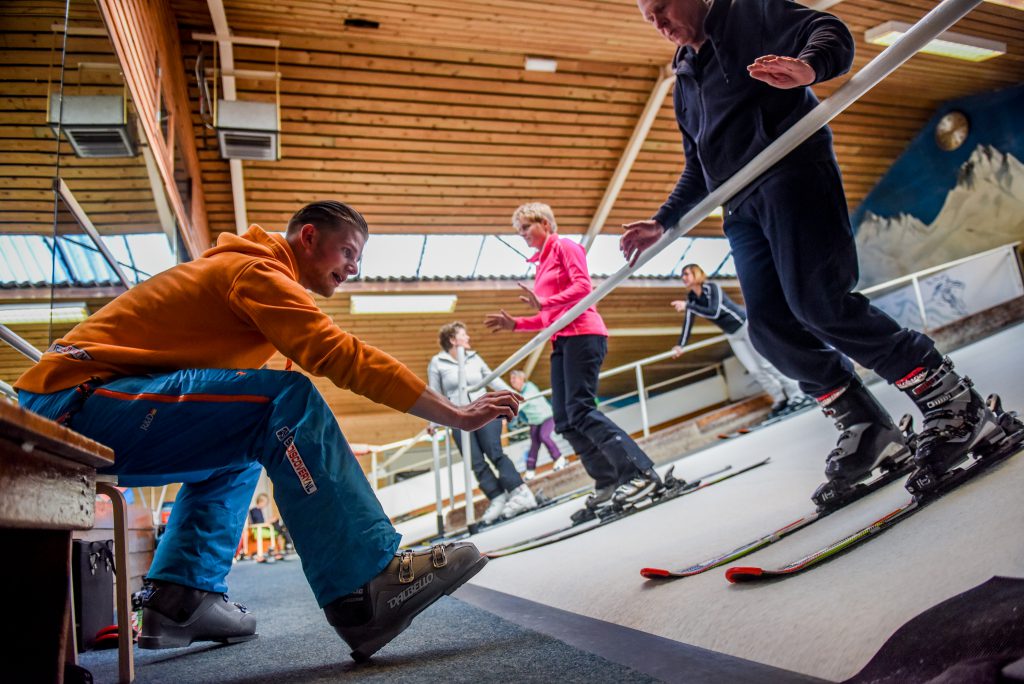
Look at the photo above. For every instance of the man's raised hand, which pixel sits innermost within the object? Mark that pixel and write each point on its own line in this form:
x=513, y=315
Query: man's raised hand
x=639, y=236
x=782, y=72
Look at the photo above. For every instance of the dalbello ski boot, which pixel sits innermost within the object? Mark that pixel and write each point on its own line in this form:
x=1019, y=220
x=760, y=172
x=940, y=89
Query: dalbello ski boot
x=957, y=422
x=868, y=440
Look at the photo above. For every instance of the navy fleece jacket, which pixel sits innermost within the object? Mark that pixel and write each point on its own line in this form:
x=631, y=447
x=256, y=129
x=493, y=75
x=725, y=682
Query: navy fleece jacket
x=727, y=117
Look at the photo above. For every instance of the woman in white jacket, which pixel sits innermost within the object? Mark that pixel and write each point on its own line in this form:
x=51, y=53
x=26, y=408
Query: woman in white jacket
x=508, y=494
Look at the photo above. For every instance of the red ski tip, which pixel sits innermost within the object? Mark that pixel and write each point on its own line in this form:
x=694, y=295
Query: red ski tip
x=740, y=574
x=651, y=573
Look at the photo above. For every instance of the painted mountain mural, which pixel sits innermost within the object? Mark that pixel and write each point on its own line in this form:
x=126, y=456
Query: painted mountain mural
x=935, y=205
x=984, y=210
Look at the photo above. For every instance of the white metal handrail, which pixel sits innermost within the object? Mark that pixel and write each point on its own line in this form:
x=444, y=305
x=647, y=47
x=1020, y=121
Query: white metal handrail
x=944, y=15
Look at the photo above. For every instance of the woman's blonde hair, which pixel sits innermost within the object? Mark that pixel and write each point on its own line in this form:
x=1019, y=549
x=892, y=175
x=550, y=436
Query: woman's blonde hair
x=699, y=276
x=532, y=212
x=447, y=333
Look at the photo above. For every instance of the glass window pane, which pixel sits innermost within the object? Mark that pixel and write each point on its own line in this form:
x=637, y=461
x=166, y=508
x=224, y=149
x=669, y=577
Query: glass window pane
x=499, y=260
x=450, y=256
x=391, y=256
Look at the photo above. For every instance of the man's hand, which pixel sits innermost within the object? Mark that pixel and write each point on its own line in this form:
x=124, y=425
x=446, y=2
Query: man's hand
x=529, y=297
x=496, y=322
x=782, y=72
x=679, y=305
x=503, y=404
x=639, y=236
x=677, y=351
x=432, y=407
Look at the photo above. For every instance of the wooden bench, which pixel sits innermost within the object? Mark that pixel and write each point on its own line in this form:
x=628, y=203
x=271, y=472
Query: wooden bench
x=48, y=487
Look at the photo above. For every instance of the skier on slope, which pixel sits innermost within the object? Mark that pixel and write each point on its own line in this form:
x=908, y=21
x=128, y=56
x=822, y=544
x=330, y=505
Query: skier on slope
x=743, y=70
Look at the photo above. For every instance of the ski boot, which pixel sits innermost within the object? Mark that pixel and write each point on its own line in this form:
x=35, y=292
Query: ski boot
x=644, y=484
x=957, y=424
x=868, y=440
x=384, y=607
x=174, y=616
x=597, y=501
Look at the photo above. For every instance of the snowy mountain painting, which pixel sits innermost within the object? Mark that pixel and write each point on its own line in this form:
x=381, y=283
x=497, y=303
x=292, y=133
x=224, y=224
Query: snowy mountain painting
x=984, y=210
x=933, y=205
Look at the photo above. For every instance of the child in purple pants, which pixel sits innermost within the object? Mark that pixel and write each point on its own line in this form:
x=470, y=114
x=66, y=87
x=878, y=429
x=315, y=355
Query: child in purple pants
x=537, y=413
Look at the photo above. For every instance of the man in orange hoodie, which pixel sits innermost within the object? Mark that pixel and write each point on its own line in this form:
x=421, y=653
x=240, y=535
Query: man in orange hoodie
x=169, y=376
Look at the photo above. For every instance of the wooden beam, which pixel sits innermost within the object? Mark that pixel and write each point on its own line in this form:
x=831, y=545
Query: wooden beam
x=643, y=126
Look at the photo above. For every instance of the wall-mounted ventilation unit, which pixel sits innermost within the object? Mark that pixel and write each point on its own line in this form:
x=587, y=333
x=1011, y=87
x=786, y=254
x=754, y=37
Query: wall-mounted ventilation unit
x=95, y=125
x=247, y=130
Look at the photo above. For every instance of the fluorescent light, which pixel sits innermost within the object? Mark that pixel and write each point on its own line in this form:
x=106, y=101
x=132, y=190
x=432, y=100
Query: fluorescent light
x=1016, y=4
x=717, y=212
x=541, y=64
x=402, y=304
x=947, y=44
x=38, y=314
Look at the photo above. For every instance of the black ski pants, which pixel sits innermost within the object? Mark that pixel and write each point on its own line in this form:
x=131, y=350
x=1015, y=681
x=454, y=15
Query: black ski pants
x=797, y=264
x=608, y=453
x=486, y=442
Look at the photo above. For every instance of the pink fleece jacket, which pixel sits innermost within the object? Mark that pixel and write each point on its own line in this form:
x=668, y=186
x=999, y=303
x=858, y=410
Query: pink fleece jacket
x=562, y=280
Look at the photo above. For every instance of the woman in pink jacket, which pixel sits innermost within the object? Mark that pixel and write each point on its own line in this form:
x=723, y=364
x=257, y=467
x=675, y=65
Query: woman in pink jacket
x=622, y=472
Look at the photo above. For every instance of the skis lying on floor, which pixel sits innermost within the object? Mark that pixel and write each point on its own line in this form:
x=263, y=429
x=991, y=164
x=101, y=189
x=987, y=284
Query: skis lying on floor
x=678, y=489
x=926, y=489
x=543, y=503
x=768, y=422
x=887, y=473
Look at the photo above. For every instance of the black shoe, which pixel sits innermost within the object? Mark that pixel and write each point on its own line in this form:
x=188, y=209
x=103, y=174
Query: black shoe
x=868, y=439
x=644, y=484
x=386, y=605
x=600, y=497
x=174, y=616
x=778, y=408
x=956, y=419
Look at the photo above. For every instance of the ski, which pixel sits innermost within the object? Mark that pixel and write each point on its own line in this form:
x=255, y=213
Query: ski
x=576, y=529
x=543, y=503
x=927, y=489
x=883, y=476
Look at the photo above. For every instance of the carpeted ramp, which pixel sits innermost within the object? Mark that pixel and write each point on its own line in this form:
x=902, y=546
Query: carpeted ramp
x=453, y=641
x=967, y=639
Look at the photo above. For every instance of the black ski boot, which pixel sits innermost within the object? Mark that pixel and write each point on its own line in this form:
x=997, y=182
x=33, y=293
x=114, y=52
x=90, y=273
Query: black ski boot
x=174, y=616
x=868, y=440
x=957, y=422
x=596, y=503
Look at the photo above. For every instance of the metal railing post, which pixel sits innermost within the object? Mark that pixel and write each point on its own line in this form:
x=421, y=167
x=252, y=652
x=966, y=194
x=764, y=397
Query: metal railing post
x=373, y=470
x=451, y=467
x=437, y=483
x=467, y=469
x=916, y=282
x=641, y=394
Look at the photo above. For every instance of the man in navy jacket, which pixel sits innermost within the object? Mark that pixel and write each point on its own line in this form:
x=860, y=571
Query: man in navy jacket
x=743, y=70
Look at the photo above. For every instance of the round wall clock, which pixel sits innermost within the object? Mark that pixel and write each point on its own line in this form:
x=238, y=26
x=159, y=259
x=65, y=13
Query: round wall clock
x=952, y=130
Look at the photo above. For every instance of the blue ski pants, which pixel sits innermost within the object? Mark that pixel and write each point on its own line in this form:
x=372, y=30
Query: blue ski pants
x=211, y=430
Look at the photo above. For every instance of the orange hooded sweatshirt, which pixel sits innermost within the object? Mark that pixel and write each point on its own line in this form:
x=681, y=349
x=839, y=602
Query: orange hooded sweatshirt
x=231, y=308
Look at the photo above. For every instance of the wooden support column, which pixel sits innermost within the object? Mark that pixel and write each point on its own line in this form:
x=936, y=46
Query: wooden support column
x=629, y=155
x=144, y=35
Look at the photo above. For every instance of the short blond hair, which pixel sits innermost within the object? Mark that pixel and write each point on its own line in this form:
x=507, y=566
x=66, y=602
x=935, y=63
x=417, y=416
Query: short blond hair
x=532, y=212
x=696, y=272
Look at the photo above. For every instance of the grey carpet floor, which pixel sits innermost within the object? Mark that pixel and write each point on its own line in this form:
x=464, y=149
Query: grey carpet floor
x=450, y=642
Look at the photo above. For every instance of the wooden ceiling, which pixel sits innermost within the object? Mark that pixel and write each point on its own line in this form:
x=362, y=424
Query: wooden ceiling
x=429, y=124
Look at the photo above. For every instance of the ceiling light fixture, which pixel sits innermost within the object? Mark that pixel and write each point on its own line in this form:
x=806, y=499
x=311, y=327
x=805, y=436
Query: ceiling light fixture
x=947, y=44
x=541, y=64
x=402, y=304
